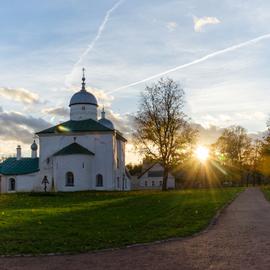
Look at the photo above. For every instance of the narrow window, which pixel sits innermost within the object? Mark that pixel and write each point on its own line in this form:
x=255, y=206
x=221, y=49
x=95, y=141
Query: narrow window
x=12, y=184
x=83, y=108
x=99, y=180
x=145, y=183
x=160, y=183
x=83, y=165
x=153, y=183
x=118, y=182
x=69, y=179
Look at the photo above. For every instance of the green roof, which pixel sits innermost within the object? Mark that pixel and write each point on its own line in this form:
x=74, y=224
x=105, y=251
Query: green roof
x=76, y=126
x=74, y=149
x=12, y=166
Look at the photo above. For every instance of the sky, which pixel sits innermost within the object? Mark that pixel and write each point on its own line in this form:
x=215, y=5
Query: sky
x=218, y=51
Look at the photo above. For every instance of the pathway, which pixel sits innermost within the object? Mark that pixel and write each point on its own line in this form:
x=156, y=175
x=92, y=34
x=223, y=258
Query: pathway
x=239, y=240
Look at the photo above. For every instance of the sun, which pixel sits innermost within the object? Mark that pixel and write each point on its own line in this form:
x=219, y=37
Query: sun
x=202, y=153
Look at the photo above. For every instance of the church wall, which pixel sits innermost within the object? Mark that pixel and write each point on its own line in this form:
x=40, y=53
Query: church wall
x=82, y=168
x=83, y=112
x=23, y=183
x=148, y=182
x=100, y=144
x=121, y=180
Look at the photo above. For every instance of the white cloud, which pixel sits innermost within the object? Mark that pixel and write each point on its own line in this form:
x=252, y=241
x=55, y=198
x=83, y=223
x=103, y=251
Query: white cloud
x=171, y=26
x=57, y=111
x=91, y=46
x=19, y=94
x=200, y=23
x=104, y=99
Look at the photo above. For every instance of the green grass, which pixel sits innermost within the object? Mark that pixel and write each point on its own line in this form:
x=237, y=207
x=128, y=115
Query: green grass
x=266, y=191
x=82, y=221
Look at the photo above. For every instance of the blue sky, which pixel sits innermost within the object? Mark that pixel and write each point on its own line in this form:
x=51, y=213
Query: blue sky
x=41, y=41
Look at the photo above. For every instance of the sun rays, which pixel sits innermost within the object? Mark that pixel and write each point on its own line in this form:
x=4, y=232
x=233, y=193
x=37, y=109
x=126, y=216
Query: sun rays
x=202, y=153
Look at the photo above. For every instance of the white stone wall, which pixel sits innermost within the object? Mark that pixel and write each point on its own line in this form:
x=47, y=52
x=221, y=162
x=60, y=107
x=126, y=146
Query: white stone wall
x=82, y=168
x=122, y=182
x=83, y=111
x=146, y=182
x=106, y=149
x=23, y=183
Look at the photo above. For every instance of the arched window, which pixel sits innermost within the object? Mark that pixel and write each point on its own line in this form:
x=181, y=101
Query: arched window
x=12, y=184
x=99, y=180
x=69, y=179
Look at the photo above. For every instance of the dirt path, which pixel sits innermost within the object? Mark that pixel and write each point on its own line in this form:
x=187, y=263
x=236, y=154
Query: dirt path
x=239, y=240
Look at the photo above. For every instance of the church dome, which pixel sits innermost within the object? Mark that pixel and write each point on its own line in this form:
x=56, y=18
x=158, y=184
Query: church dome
x=34, y=146
x=104, y=121
x=83, y=97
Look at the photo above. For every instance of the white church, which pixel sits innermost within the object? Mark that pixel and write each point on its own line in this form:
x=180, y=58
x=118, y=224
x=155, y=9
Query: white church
x=84, y=153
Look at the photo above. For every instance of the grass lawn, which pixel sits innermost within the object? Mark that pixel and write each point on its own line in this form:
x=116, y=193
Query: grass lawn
x=266, y=191
x=82, y=221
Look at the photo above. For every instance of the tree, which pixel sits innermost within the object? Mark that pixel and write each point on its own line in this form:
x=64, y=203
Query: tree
x=266, y=152
x=162, y=130
x=234, y=146
x=255, y=155
x=134, y=169
x=266, y=143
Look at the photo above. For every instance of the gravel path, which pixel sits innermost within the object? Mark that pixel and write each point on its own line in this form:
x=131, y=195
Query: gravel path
x=239, y=240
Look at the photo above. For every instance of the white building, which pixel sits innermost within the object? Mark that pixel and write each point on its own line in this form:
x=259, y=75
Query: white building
x=84, y=153
x=152, y=178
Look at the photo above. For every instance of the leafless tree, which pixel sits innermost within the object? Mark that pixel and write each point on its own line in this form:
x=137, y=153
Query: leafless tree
x=266, y=152
x=162, y=130
x=234, y=145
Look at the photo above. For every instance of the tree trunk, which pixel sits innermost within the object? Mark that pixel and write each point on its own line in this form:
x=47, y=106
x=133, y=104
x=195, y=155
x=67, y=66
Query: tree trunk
x=165, y=179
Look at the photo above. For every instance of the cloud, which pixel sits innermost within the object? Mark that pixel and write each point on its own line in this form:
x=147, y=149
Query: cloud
x=123, y=123
x=200, y=23
x=16, y=126
x=104, y=98
x=20, y=95
x=208, y=135
x=92, y=44
x=196, y=61
x=57, y=111
x=171, y=26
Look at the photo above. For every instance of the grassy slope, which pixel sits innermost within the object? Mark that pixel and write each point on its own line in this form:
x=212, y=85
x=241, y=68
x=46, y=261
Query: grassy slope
x=91, y=220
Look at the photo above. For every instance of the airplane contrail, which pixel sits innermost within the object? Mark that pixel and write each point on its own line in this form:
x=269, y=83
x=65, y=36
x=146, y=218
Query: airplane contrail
x=101, y=28
x=194, y=62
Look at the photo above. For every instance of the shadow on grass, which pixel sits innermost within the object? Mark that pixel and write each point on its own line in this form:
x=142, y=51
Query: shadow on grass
x=113, y=222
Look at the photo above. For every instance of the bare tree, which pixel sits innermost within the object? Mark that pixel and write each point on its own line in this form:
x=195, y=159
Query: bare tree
x=266, y=152
x=163, y=131
x=255, y=155
x=267, y=138
x=234, y=145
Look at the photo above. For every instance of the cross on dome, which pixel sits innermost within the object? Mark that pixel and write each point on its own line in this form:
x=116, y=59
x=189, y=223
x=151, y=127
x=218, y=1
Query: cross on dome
x=83, y=79
x=103, y=113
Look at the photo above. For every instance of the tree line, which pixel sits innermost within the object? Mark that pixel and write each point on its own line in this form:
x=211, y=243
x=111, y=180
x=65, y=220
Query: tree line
x=164, y=133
